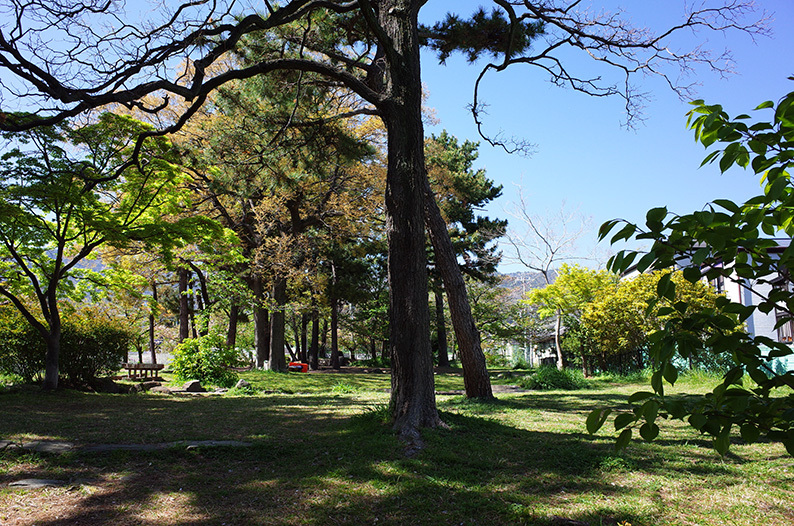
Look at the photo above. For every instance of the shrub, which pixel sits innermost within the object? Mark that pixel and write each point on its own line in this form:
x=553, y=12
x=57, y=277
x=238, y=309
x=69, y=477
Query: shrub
x=22, y=349
x=206, y=359
x=549, y=377
x=493, y=359
x=519, y=362
x=92, y=345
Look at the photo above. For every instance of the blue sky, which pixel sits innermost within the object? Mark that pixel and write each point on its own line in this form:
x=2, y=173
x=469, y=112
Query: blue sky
x=584, y=156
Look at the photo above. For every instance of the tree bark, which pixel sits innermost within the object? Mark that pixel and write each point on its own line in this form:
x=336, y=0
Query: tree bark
x=53, y=341
x=441, y=330
x=278, y=361
x=261, y=323
x=475, y=372
x=324, y=343
x=296, y=330
x=231, y=333
x=412, y=403
x=314, y=349
x=304, y=354
x=152, y=346
x=184, y=310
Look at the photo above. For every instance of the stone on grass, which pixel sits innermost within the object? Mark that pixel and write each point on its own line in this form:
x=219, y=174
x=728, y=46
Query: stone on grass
x=193, y=386
x=242, y=384
x=37, y=483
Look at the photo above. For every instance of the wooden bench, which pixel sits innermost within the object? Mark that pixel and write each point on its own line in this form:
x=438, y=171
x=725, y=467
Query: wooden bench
x=142, y=370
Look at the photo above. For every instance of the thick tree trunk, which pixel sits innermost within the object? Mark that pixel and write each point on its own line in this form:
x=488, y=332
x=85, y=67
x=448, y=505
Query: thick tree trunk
x=261, y=323
x=314, y=349
x=413, y=403
x=278, y=361
x=304, y=354
x=475, y=372
x=53, y=342
x=231, y=333
x=324, y=343
x=296, y=331
x=441, y=330
x=184, y=309
x=152, y=346
x=373, y=351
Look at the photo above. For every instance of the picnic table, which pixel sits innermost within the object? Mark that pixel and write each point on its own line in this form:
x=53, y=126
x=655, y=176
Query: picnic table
x=142, y=370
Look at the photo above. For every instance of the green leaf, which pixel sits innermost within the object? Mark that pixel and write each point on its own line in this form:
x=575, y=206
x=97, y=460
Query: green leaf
x=723, y=441
x=640, y=395
x=670, y=373
x=665, y=288
x=697, y=420
x=649, y=431
x=655, y=215
x=750, y=433
x=596, y=419
x=650, y=410
x=728, y=205
x=624, y=419
x=605, y=228
x=766, y=104
x=692, y=274
x=623, y=440
x=624, y=233
x=645, y=262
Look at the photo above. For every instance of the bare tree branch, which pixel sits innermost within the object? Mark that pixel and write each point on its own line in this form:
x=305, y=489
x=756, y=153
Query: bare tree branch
x=625, y=50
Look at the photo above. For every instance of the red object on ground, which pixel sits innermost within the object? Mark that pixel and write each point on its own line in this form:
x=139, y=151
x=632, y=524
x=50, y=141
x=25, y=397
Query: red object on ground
x=298, y=367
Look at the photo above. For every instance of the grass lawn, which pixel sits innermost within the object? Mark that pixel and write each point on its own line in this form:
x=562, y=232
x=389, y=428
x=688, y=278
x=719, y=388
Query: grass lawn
x=322, y=454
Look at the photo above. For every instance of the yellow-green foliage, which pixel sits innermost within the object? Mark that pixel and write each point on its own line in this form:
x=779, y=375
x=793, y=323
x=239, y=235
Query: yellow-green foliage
x=621, y=318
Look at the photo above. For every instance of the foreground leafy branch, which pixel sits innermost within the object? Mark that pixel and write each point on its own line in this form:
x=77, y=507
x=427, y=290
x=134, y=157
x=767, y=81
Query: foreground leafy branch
x=735, y=242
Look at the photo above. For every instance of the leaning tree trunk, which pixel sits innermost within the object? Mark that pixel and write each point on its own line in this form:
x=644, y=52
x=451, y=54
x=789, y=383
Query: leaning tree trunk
x=441, y=329
x=278, y=361
x=413, y=403
x=475, y=373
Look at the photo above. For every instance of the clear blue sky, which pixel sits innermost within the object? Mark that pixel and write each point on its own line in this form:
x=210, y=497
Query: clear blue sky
x=584, y=156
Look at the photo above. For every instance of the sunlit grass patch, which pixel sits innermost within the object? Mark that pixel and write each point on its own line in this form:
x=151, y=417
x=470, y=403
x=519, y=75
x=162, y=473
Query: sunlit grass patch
x=321, y=455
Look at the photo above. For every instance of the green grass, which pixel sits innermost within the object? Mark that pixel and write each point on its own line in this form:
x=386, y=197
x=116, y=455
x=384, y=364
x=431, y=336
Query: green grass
x=323, y=454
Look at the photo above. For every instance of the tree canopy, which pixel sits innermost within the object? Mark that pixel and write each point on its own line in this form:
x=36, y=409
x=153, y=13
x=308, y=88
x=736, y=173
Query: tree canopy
x=369, y=48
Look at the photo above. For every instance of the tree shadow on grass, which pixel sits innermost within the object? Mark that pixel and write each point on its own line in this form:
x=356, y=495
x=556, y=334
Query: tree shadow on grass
x=353, y=471
x=310, y=464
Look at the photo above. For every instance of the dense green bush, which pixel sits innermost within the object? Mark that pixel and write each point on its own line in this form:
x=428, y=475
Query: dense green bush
x=519, y=362
x=22, y=350
x=92, y=345
x=206, y=359
x=549, y=377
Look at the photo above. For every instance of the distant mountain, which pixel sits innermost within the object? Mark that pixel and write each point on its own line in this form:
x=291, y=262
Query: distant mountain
x=520, y=283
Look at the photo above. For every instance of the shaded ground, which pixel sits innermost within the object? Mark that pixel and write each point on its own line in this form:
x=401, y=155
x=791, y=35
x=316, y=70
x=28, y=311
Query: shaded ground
x=320, y=458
